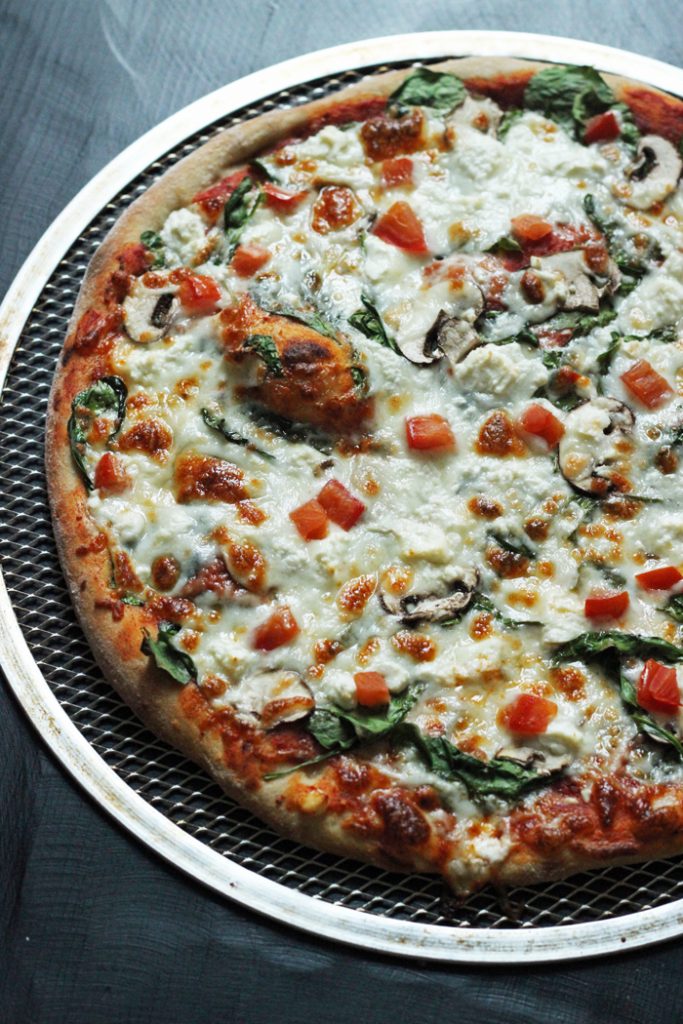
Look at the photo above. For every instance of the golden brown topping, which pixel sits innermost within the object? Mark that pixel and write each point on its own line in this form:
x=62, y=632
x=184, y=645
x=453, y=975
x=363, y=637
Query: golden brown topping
x=417, y=645
x=569, y=681
x=497, y=436
x=397, y=579
x=532, y=287
x=666, y=461
x=213, y=686
x=481, y=626
x=248, y=512
x=356, y=593
x=384, y=137
x=485, y=508
x=150, y=436
x=248, y=564
x=507, y=564
x=205, y=478
x=165, y=572
x=326, y=650
x=335, y=208
x=368, y=650
x=214, y=577
x=536, y=528
x=125, y=577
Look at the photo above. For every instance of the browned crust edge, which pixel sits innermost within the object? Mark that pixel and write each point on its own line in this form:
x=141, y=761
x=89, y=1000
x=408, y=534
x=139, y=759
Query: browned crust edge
x=116, y=645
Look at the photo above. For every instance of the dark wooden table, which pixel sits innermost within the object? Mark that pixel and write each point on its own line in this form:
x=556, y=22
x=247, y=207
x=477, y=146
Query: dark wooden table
x=93, y=927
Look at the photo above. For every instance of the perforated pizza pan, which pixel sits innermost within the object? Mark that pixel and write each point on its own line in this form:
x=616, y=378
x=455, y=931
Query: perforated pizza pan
x=150, y=789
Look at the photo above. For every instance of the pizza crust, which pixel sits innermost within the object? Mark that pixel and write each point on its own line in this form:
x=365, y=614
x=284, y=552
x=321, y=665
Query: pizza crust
x=116, y=645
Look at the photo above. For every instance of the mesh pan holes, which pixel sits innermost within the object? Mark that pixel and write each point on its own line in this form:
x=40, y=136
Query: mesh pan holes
x=161, y=776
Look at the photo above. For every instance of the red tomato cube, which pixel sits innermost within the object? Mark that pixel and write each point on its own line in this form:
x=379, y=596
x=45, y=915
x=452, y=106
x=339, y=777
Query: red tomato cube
x=371, y=689
x=606, y=606
x=658, y=688
x=646, y=384
x=199, y=294
x=397, y=171
x=310, y=520
x=279, y=629
x=601, y=128
x=400, y=226
x=663, y=578
x=429, y=434
x=247, y=259
x=340, y=505
x=540, y=422
x=528, y=714
x=529, y=228
x=280, y=199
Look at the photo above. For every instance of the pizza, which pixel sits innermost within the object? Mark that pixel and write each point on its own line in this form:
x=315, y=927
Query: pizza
x=364, y=455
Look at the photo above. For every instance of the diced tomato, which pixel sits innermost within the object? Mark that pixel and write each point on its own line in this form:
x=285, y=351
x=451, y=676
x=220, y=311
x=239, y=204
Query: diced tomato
x=397, y=171
x=110, y=474
x=528, y=714
x=282, y=200
x=371, y=689
x=400, y=226
x=658, y=688
x=279, y=629
x=213, y=199
x=601, y=128
x=247, y=259
x=310, y=520
x=199, y=293
x=429, y=434
x=340, y=505
x=646, y=384
x=134, y=259
x=529, y=228
x=606, y=606
x=540, y=422
x=663, y=578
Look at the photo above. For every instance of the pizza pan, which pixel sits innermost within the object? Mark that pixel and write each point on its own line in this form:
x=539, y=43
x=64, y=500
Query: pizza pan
x=147, y=787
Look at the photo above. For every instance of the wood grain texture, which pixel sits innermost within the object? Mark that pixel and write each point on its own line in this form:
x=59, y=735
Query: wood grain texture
x=93, y=928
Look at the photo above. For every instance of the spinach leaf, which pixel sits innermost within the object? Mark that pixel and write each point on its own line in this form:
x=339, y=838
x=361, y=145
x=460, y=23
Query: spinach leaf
x=219, y=424
x=552, y=358
x=579, y=324
x=309, y=318
x=152, y=241
x=484, y=604
x=369, y=322
x=297, y=433
x=167, y=657
x=265, y=348
x=239, y=208
x=509, y=118
x=426, y=88
x=569, y=95
x=106, y=396
x=604, y=360
x=506, y=243
x=630, y=135
x=359, y=377
x=674, y=608
x=591, y=645
x=634, y=265
x=337, y=730
x=612, y=576
x=265, y=172
x=644, y=722
x=500, y=776
x=515, y=545
x=133, y=599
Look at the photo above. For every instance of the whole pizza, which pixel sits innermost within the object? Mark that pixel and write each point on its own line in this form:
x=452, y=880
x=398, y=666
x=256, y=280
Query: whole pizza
x=364, y=459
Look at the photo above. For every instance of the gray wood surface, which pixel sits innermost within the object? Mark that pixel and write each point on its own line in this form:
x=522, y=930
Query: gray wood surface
x=93, y=928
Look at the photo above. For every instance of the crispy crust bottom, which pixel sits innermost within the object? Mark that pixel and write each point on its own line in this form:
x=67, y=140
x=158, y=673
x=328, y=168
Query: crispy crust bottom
x=534, y=856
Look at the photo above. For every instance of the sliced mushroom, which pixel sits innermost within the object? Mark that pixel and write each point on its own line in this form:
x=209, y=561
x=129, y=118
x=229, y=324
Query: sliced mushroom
x=542, y=763
x=655, y=174
x=584, y=287
x=416, y=608
x=149, y=312
x=276, y=696
x=592, y=450
x=451, y=337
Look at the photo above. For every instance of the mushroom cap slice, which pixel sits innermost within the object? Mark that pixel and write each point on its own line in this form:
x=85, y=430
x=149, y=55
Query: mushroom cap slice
x=584, y=288
x=655, y=174
x=416, y=608
x=149, y=312
x=276, y=696
x=451, y=337
x=591, y=449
